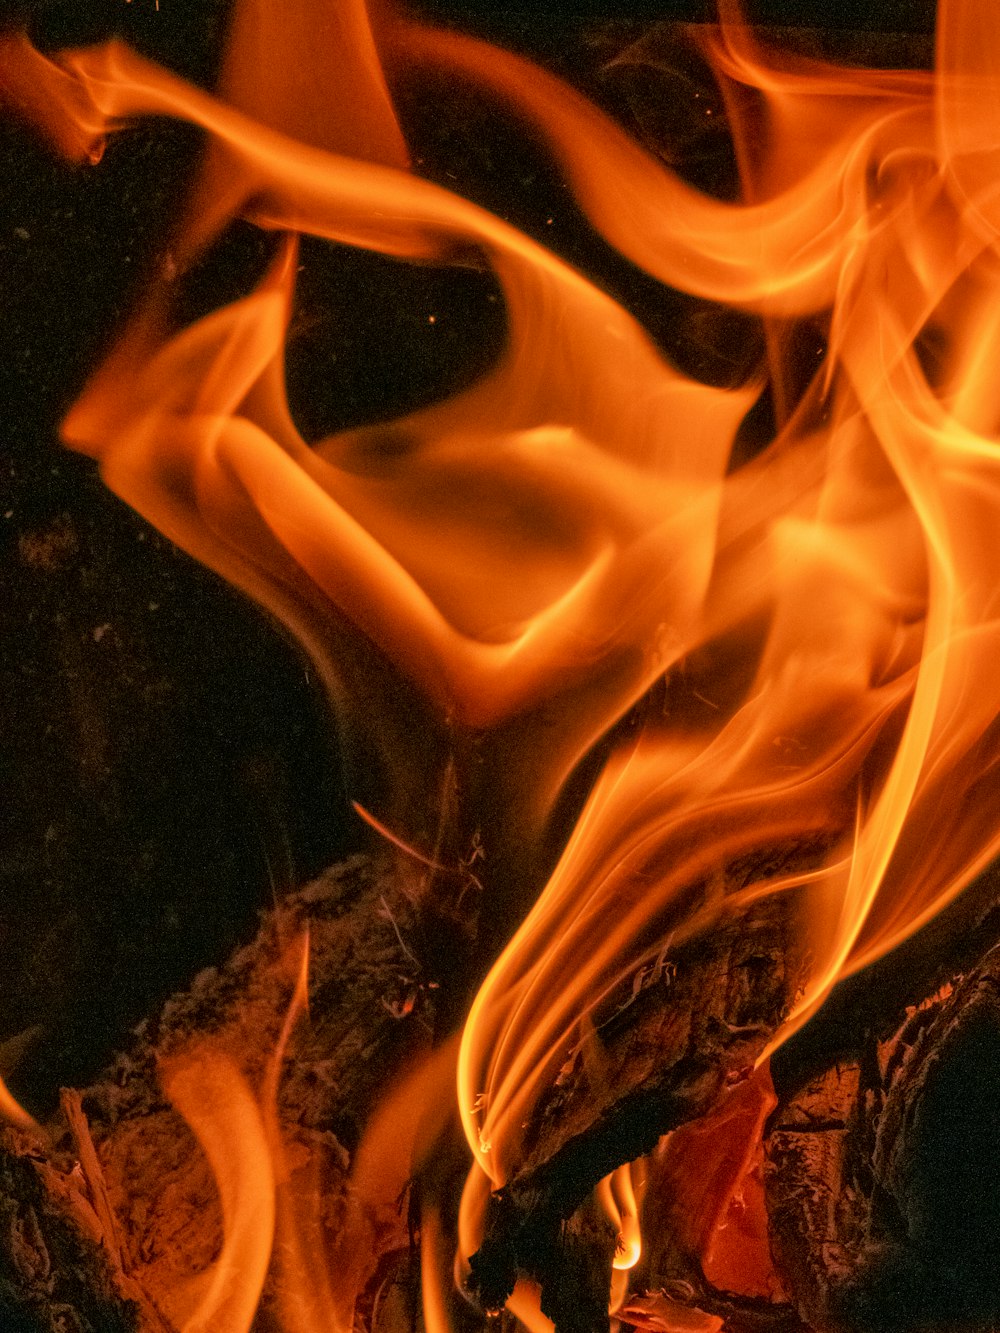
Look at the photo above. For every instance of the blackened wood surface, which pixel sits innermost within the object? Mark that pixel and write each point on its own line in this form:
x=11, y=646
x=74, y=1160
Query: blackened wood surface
x=55, y=1276
x=666, y=1060
x=884, y=1179
x=371, y=1015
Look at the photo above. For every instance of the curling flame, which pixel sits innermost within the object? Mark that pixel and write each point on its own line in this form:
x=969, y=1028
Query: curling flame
x=210, y=1092
x=617, y=1196
x=618, y=1199
x=305, y=1298
x=525, y=1306
x=492, y=556
x=858, y=545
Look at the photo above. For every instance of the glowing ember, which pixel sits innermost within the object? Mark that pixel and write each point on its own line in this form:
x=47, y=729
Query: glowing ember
x=805, y=642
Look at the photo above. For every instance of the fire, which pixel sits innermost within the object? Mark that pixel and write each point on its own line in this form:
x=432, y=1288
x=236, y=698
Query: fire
x=803, y=643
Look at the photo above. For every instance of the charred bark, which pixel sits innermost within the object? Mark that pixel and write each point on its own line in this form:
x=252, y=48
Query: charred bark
x=665, y=1059
x=884, y=1180
x=101, y=1228
x=881, y=1170
x=57, y=1275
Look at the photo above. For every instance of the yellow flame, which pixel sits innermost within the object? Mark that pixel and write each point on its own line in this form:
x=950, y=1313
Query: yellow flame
x=617, y=1198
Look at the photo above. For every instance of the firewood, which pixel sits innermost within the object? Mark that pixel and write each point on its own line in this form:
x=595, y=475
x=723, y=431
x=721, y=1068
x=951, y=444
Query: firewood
x=666, y=1058
x=880, y=1169
x=59, y=1270
x=883, y=1179
x=106, y=1227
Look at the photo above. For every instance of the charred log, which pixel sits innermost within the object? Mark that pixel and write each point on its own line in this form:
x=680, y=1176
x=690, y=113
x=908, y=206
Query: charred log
x=883, y=1176
x=882, y=1183
x=57, y=1273
x=666, y=1059
x=102, y=1230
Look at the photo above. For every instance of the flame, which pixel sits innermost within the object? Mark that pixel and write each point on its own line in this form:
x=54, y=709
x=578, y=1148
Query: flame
x=491, y=560
x=12, y=1111
x=618, y=1199
x=273, y=1206
x=805, y=641
x=873, y=568
x=616, y=1195
x=211, y=1093
x=305, y=1297
x=525, y=1306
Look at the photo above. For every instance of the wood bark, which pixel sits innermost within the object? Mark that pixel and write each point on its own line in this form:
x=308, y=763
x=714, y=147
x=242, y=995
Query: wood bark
x=665, y=1059
x=56, y=1273
x=881, y=1177
x=113, y=1242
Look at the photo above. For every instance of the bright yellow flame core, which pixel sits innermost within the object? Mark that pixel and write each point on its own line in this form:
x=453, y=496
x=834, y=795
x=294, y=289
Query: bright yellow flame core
x=542, y=549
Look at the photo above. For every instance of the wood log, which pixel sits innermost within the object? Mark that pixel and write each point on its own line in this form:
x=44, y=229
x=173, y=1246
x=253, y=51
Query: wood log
x=666, y=1058
x=110, y=1226
x=57, y=1274
x=883, y=1176
x=882, y=1195
x=880, y=1171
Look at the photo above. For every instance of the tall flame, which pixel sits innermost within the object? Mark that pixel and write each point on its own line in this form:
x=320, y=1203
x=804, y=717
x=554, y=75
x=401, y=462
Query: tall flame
x=539, y=552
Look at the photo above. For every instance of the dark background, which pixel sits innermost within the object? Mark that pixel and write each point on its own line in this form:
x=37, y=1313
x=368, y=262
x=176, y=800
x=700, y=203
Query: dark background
x=166, y=765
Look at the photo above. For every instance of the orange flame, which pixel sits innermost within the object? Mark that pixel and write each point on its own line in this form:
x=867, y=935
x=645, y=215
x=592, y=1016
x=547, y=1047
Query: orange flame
x=539, y=552
x=859, y=535
x=12, y=1111
x=210, y=1092
x=305, y=1297
x=618, y=1199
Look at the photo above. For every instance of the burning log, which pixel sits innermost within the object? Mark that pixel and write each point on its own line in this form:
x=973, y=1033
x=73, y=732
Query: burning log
x=117, y=1224
x=58, y=1269
x=864, y=1165
x=146, y=1195
x=882, y=1174
x=693, y=1031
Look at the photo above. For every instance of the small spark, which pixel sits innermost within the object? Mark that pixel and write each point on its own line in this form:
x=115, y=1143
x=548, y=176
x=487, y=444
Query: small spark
x=432, y=319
